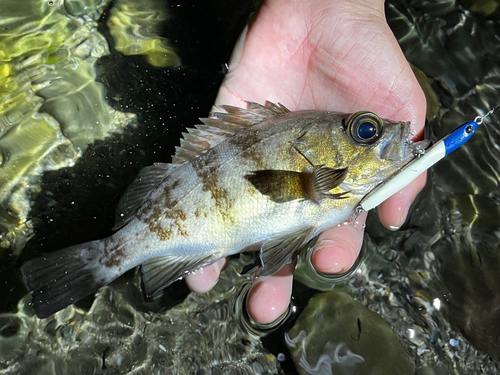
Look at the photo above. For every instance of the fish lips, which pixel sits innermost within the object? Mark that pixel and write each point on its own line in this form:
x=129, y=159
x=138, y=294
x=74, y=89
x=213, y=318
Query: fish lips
x=398, y=145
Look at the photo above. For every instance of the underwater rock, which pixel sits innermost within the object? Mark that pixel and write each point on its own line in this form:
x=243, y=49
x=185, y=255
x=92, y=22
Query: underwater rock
x=431, y=97
x=337, y=335
x=52, y=107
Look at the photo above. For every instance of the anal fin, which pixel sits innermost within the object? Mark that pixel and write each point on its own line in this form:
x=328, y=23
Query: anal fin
x=277, y=252
x=158, y=273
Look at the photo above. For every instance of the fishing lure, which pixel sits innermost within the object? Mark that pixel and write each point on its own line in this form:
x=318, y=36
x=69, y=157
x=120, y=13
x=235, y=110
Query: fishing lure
x=425, y=160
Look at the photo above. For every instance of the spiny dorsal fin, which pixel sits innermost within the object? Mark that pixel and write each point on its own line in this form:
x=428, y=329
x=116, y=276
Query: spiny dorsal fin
x=222, y=125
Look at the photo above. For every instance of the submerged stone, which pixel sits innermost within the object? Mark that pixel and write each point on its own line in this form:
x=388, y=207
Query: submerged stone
x=52, y=107
x=337, y=335
x=486, y=8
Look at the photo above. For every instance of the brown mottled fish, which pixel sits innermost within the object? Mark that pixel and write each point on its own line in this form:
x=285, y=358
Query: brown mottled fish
x=261, y=177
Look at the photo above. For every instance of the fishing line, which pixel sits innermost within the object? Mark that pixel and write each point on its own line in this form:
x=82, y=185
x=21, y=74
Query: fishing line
x=479, y=119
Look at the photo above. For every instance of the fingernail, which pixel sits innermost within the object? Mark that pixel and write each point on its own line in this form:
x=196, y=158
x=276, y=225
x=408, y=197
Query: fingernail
x=402, y=217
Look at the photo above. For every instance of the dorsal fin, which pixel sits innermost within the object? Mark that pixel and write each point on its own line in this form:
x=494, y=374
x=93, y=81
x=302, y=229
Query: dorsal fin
x=139, y=191
x=221, y=125
x=215, y=129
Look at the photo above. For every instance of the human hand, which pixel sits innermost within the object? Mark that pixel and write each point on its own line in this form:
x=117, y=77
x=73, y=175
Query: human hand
x=321, y=54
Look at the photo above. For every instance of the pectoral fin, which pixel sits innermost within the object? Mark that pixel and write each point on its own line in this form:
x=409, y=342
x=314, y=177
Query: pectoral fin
x=158, y=273
x=280, y=186
x=322, y=180
x=275, y=253
x=285, y=186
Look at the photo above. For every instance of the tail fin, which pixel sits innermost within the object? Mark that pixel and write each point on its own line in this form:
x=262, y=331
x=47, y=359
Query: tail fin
x=61, y=278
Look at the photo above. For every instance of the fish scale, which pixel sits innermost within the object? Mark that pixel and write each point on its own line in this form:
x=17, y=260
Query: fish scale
x=261, y=177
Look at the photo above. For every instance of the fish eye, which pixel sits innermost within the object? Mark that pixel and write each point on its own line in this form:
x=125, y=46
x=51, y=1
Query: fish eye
x=365, y=127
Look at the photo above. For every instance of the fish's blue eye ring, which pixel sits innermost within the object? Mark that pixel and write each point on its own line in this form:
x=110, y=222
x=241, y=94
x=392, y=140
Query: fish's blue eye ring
x=364, y=127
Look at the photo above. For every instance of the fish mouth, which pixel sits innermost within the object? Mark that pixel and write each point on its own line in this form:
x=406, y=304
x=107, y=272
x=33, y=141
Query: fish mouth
x=400, y=147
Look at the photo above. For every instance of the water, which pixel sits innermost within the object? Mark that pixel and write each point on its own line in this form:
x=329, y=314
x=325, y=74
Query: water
x=431, y=289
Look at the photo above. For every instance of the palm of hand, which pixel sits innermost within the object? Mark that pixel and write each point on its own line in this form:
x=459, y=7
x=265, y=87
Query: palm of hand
x=324, y=59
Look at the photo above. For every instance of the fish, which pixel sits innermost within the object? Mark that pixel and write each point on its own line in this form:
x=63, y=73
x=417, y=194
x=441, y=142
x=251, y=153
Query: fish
x=257, y=178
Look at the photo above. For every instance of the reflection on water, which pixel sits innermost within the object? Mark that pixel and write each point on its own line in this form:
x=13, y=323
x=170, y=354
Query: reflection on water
x=52, y=107
x=464, y=241
x=429, y=292
x=135, y=26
